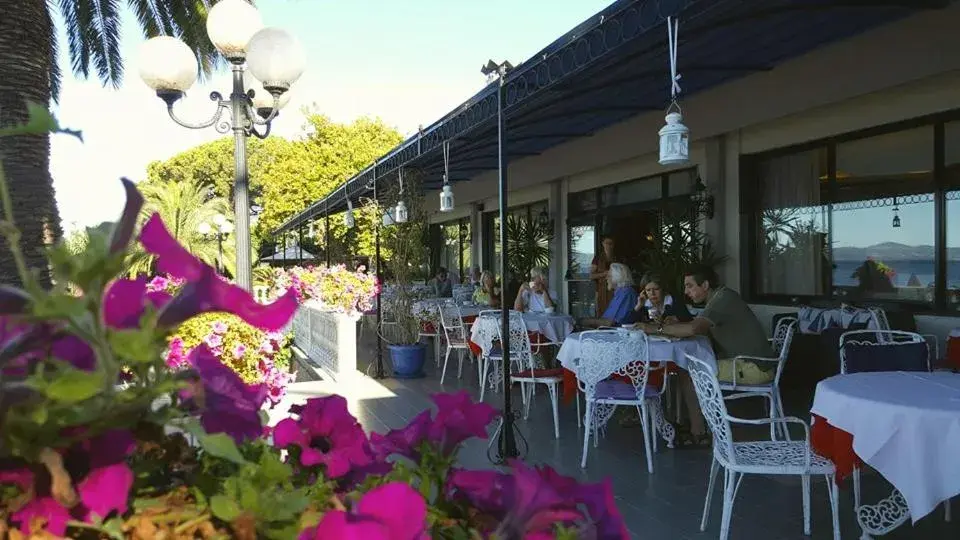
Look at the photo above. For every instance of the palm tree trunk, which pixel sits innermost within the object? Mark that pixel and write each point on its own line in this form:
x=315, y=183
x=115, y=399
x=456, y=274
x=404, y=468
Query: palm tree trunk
x=26, y=56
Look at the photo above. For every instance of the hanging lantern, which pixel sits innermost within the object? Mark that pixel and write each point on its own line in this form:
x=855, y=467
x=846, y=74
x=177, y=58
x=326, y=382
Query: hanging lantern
x=388, y=218
x=674, y=137
x=674, y=141
x=896, y=214
x=400, y=214
x=446, y=194
x=348, y=220
x=446, y=198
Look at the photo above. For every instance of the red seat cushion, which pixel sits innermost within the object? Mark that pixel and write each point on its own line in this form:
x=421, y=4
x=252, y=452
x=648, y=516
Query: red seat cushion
x=557, y=372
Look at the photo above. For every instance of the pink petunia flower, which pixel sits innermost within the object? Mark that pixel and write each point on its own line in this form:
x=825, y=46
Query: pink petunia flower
x=326, y=434
x=393, y=511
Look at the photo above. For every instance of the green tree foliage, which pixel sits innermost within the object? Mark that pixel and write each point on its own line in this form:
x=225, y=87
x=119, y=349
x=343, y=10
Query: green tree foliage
x=183, y=206
x=288, y=175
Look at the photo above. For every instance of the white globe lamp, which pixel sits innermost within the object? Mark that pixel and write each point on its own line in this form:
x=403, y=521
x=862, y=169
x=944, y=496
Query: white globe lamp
x=230, y=25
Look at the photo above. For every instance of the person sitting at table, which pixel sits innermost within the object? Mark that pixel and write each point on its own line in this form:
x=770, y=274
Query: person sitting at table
x=441, y=284
x=487, y=294
x=655, y=304
x=535, y=297
x=733, y=329
x=620, y=310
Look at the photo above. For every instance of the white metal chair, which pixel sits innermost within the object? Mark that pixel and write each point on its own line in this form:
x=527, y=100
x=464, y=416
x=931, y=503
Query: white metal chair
x=483, y=366
x=454, y=334
x=794, y=458
x=770, y=390
x=521, y=356
x=603, y=354
x=436, y=335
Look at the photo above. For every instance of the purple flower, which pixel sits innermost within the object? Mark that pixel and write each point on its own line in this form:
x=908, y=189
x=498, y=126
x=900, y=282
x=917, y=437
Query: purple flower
x=405, y=441
x=458, y=419
x=22, y=345
x=394, y=511
x=123, y=231
x=239, y=350
x=158, y=283
x=126, y=300
x=205, y=291
x=219, y=327
x=13, y=301
x=326, y=434
x=228, y=404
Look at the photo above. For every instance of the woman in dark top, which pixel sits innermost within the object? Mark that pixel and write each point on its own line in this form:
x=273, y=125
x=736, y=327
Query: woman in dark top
x=655, y=305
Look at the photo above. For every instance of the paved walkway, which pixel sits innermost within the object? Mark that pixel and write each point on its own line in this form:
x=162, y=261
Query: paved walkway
x=666, y=505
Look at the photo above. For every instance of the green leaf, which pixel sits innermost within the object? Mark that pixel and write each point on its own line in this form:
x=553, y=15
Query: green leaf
x=138, y=345
x=40, y=121
x=73, y=386
x=218, y=445
x=272, y=469
x=224, y=507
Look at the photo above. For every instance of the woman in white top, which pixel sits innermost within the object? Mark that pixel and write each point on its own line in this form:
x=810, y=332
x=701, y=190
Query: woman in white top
x=535, y=297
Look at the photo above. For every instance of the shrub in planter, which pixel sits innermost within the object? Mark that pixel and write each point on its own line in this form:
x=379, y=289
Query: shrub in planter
x=255, y=355
x=335, y=288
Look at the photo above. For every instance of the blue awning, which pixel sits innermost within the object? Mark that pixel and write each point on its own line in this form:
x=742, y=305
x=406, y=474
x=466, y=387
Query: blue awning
x=614, y=66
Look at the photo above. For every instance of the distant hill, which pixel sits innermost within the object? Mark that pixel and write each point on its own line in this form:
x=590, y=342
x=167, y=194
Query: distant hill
x=891, y=251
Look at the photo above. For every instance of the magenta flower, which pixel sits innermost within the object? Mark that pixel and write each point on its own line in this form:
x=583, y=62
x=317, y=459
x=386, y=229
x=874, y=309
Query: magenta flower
x=405, y=441
x=228, y=404
x=126, y=300
x=326, y=434
x=205, y=291
x=175, y=357
x=213, y=340
x=123, y=231
x=458, y=419
x=103, y=490
x=394, y=511
x=24, y=345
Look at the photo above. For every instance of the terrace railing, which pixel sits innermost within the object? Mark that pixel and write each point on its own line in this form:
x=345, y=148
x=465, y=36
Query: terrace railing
x=326, y=342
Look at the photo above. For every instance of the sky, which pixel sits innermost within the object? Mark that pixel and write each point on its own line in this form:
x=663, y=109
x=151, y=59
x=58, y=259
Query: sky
x=407, y=62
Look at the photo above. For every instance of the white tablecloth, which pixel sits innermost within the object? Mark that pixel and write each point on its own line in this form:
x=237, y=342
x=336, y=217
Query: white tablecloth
x=427, y=311
x=554, y=326
x=905, y=425
x=661, y=350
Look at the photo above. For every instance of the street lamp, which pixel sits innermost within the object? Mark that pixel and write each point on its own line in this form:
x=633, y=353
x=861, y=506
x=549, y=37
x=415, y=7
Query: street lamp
x=222, y=229
x=274, y=59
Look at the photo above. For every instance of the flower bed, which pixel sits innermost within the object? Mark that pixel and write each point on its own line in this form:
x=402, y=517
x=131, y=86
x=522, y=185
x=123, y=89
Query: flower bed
x=82, y=457
x=333, y=288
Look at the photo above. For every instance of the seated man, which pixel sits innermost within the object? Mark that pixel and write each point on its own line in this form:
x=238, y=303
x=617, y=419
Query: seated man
x=441, y=284
x=733, y=329
x=535, y=297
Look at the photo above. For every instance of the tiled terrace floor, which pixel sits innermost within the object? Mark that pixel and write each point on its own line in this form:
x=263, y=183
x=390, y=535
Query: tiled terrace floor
x=665, y=505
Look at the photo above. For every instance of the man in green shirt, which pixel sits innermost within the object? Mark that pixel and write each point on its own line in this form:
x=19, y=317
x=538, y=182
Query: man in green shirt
x=734, y=330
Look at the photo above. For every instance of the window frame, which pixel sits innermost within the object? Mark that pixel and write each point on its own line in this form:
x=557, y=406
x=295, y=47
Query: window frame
x=750, y=226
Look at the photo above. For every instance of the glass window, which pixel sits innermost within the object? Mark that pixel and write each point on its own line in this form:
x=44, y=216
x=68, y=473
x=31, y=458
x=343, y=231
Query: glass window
x=882, y=218
x=792, y=241
x=952, y=168
x=648, y=189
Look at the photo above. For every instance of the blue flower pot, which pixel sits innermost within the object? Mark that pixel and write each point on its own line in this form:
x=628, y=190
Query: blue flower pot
x=408, y=360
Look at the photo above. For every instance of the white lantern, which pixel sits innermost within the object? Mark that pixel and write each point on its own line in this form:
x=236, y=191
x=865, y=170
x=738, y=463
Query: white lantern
x=230, y=25
x=388, y=218
x=276, y=58
x=400, y=216
x=167, y=64
x=674, y=141
x=348, y=220
x=446, y=198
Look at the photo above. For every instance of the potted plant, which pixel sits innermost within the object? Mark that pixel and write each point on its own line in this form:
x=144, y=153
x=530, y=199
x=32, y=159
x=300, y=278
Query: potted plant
x=678, y=244
x=406, y=251
x=528, y=246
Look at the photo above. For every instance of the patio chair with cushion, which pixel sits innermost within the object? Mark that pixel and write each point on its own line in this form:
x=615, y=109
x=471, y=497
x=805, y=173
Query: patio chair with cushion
x=795, y=458
x=606, y=358
x=771, y=390
x=526, y=373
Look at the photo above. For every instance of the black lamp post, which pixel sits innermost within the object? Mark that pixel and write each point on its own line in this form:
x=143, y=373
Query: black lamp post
x=275, y=60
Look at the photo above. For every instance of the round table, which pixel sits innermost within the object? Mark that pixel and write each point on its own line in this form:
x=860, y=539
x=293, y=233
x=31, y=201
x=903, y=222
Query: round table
x=906, y=425
x=553, y=326
x=662, y=349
